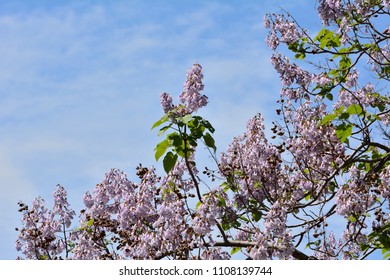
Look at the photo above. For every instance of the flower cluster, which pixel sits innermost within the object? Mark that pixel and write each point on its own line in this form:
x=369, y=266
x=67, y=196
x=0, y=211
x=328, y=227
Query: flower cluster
x=166, y=102
x=191, y=98
x=38, y=238
x=329, y=10
x=290, y=72
x=365, y=96
x=249, y=161
x=149, y=220
x=354, y=198
x=328, y=248
x=385, y=183
x=286, y=29
x=316, y=148
x=317, y=157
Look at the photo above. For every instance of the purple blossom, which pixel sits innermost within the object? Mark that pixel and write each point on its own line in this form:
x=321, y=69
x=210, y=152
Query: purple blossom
x=322, y=80
x=354, y=198
x=365, y=96
x=280, y=25
x=262, y=249
x=289, y=72
x=214, y=254
x=166, y=102
x=88, y=200
x=384, y=188
x=191, y=97
x=37, y=239
x=272, y=41
x=251, y=154
x=275, y=220
x=329, y=10
x=86, y=248
x=62, y=207
x=243, y=234
x=328, y=249
x=344, y=29
x=351, y=80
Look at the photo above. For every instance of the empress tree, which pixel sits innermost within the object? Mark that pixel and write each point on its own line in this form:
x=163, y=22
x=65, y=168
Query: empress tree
x=319, y=188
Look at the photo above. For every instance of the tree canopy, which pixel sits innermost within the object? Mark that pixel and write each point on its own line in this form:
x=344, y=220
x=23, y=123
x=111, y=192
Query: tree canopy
x=317, y=189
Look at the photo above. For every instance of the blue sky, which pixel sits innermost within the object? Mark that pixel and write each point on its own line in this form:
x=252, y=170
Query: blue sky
x=80, y=84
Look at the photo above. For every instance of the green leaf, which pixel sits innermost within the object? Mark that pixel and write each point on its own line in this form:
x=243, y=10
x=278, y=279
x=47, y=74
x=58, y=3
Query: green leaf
x=209, y=141
x=384, y=240
x=186, y=118
x=196, y=128
x=90, y=222
x=293, y=46
x=207, y=124
x=246, y=220
x=345, y=62
x=162, y=130
x=366, y=215
x=221, y=202
x=364, y=247
x=344, y=116
x=354, y=109
x=225, y=186
x=169, y=161
x=256, y=215
x=352, y=219
x=226, y=226
x=339, y=110
x=315, y=243
x=328, y=39
x=161, y=148
x=343, y=131
x=176, y=139
x=321, y=34
x=192, y=141
x=235, y=250
x=160, y=121
x=327, y=119
x=381, y=107
x=332, y=186
x=386, y=227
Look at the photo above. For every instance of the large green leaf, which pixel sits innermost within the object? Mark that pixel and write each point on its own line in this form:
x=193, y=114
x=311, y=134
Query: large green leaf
x=327, y=119
x=160, y=121
x=169, y=161
x=186, y=118
x=354, y=109
x=176, y=139
x=209, y=141
x=161, y=148
x=343, y=131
